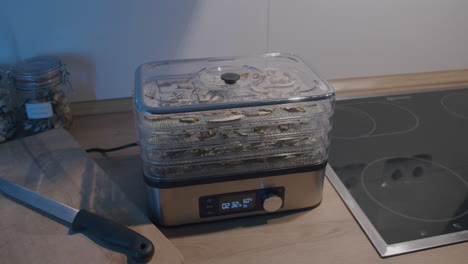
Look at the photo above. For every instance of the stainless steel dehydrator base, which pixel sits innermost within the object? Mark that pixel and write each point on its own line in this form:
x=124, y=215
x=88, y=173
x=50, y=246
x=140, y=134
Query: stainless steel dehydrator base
x=180, y=205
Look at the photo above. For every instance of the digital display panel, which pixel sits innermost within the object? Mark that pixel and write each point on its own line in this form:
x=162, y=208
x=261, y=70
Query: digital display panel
x=237, y=202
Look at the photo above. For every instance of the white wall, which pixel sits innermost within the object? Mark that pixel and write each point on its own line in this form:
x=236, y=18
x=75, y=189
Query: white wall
x=351, y=38
x=104, y=41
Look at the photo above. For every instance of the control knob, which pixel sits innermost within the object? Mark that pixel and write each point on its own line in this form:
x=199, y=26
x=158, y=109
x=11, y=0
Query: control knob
x=272, y=203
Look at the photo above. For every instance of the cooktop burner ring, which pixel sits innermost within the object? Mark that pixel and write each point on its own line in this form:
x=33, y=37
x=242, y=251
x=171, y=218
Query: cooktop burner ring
x=361, y=114
x=417, y=171
x=458, y=99
x=411, y=113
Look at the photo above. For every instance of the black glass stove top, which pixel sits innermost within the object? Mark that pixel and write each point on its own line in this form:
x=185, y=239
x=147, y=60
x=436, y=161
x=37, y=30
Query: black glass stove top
x=400, y=163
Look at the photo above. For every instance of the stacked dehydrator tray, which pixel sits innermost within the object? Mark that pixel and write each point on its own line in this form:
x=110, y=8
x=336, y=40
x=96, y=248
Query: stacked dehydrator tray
x=233, y=136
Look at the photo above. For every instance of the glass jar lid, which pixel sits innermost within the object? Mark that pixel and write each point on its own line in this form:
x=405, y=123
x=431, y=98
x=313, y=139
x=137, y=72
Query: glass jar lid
x=37, y=72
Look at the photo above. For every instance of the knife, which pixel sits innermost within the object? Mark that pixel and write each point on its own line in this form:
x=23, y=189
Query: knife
x=137, y=246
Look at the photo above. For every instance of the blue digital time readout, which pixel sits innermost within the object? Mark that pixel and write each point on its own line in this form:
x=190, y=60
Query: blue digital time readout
x=237, y=202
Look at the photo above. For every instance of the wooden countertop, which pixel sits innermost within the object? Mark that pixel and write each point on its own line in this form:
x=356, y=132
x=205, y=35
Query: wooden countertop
x=327, y=234
x=53, y=164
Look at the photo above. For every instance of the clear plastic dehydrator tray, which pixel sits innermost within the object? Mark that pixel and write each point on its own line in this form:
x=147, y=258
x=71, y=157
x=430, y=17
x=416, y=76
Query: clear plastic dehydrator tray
x=219, y=116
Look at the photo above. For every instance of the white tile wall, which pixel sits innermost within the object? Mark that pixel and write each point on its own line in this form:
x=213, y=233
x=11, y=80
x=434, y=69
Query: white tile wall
x=103, y=42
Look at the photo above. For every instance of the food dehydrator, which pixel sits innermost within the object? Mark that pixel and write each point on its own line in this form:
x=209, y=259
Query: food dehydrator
x=232, y=136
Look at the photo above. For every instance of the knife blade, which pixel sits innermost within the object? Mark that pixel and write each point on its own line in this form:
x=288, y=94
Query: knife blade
x=136, y=245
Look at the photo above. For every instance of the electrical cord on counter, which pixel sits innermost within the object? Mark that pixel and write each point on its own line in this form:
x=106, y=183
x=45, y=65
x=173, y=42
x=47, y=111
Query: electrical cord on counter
x=112, y=149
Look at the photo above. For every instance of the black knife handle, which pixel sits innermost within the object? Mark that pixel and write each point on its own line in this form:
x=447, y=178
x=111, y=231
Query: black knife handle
x=138, y=246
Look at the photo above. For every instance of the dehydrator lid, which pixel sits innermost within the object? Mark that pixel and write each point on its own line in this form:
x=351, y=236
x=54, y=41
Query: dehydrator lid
x=226, y=82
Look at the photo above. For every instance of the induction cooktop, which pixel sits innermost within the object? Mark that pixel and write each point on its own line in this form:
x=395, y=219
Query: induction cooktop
x=400, y=163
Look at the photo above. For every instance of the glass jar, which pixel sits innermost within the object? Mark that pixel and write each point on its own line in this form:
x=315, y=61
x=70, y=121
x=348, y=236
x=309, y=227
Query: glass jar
x=40, y=84
x=7, y=115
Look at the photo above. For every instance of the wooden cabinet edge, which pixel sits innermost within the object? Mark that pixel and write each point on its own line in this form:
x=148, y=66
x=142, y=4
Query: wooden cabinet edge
x=98, y=107
x=344, y=87
x=400, y=83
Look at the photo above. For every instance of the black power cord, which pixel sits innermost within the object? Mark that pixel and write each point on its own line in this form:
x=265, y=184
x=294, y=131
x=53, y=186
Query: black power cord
x=112, y=149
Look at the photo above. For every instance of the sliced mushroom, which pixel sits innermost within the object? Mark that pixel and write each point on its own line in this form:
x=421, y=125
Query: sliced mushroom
x=191, y=119
x=259, y=130
x=259, y=89
x=185, y=86
x=156, y=118
x=244, y=75
x=238, y=147
x=294, y=109
x=274, y=94
x=227, y=119
x=207, y=134
x=241, y=133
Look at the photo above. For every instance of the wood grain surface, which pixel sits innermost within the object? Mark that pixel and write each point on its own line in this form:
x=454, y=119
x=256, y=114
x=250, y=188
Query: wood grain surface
x=400, y=83
x=53, y=164
x=327, y=234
